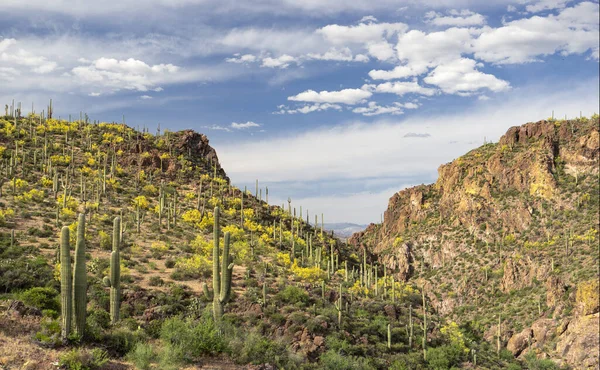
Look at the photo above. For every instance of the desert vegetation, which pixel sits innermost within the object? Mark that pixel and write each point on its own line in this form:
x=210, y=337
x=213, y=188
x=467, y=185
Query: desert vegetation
x=121, y=247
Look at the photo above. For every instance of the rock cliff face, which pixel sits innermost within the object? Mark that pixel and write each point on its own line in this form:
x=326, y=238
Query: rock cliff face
x=182, y=146
x=514, y=222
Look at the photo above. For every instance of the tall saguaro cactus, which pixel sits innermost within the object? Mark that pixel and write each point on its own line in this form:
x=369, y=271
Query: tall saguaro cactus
x=221, y=274
x=114, y=282
x=66, y=291
x=80, y=279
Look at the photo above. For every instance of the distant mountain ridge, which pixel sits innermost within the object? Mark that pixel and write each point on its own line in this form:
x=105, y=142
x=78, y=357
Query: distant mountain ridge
x=344, y=229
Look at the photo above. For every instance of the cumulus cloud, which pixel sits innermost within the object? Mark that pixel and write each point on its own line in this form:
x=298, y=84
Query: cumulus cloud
x=130, y=74
x=346, y=96
x=240, y=59
x=362, y=33
x=308, y=108
x=401, y=88
x=339, y=54
x=372, y=109
x=17, y=58
x=460, y=76
x=245, y=125
x=536, y=6
x=573, y=31
x=399, y=72
x=282, y=61
x=455, y=18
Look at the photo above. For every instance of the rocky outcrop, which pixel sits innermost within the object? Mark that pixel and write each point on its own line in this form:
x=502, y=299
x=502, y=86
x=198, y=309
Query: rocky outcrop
x=518, y=342
x=523, y=161
x=193, y=146
x=520, y=272
x=578, y=346
x=588, y=297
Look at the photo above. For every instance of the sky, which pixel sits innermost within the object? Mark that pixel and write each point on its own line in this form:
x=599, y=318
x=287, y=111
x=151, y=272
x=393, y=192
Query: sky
x=335, y=104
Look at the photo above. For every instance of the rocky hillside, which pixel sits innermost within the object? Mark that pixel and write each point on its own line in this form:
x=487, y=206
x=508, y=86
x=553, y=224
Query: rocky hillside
x=506, y=240
x=295, y=297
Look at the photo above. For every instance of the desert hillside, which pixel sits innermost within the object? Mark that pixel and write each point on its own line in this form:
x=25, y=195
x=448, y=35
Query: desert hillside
x=508, y=233
x=171, y=266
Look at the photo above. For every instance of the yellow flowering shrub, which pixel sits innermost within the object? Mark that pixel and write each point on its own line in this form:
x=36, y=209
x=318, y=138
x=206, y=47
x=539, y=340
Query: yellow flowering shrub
x=235, y=232
x=159, y=248
x=308, y=274
x=33, y=195
x=46, y=182
x=454, y=336
x=284, y=259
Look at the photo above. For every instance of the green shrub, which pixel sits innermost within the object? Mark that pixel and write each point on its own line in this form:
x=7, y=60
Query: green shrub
x=533, y=363
x=192, y=339
x=169, y=263
x=255, y=349
x=444, y=357
x=49, y=334
x=122, y=340
x=42, y=298
x=334, y=361
x=142, y=356
x=82, y=359
x=292, y=294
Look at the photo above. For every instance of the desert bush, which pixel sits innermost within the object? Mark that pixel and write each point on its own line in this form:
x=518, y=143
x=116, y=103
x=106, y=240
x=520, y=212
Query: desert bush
x=292, y=294
x=82, y=359
x=42, y=298
x=333, y=360
x=142, y=356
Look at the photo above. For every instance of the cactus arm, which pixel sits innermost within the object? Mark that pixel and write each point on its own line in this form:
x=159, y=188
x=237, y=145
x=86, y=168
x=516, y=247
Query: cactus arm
x=226, y=278
x=216, y=272
x=115, y=272
x=80, y=279
x=66, y=294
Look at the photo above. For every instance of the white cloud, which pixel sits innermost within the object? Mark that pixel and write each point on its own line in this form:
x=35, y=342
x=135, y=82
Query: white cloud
x=362, y=33
x=401, y=88
x=130, y=74
x=455, y=18
x=94, y=94
x=282, y=61
x=346, y=96
x=573, y=31
x=367, y=18
x=145, y=97
x=372, y=109
x=309, y=108
x=243, y=126
x=399, y=72
x=381, y=50
x=23, y=58
x=216, y=128
x=246, y=58
x=541, y=5
x=339, y=54
x=461, y=76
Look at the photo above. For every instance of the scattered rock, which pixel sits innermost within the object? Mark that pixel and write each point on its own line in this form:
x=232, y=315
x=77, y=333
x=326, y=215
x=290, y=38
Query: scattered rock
x=518, y=342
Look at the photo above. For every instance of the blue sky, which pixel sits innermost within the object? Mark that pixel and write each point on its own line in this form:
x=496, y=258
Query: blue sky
x=336, y=104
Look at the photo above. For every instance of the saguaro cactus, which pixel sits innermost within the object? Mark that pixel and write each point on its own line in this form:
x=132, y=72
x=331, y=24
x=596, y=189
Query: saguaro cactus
x=66, y=291
x=80, y=279
x=221, y=274
x=114, y=281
